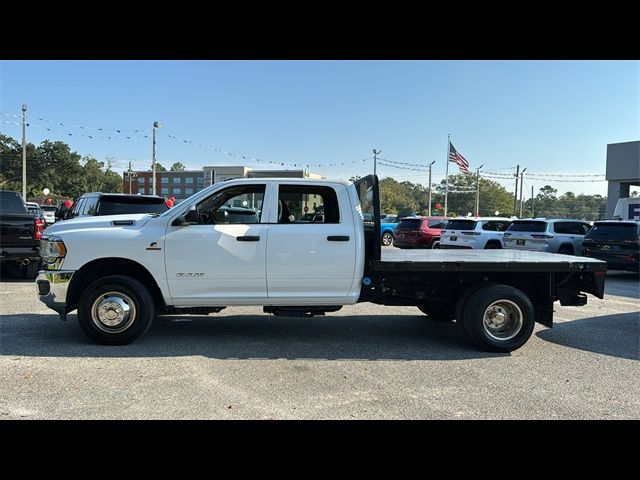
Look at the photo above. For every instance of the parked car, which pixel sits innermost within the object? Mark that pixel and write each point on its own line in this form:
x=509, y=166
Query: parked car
x=419, y=232
x=478, y=233
x=616, y=242
x=388, y=218
x=49, y=212
x=20, y=234
x=553, y=235
x=386, y=233
x=97, y=203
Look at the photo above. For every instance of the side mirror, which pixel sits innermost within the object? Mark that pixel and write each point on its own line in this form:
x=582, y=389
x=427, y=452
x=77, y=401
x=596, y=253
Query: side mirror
x=68, y=215
x=190, y=217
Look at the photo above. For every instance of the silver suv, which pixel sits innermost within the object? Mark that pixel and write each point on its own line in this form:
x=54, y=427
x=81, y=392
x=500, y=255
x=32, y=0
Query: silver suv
x=464, y=232
x=546, y=235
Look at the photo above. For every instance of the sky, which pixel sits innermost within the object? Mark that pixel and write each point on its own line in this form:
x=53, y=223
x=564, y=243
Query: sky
x=554, y=118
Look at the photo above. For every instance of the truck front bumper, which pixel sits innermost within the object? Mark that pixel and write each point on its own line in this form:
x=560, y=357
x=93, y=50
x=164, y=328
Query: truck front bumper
x=52, y=287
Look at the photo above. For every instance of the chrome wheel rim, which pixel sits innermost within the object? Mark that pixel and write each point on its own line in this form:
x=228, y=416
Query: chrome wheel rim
x=387, y=239
x=113, y=312
x=502, y=320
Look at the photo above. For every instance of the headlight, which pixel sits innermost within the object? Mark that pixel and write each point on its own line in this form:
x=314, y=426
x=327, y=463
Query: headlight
x=51, y=249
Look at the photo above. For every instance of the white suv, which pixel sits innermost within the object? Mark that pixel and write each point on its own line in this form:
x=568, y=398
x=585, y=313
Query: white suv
x=474, y=232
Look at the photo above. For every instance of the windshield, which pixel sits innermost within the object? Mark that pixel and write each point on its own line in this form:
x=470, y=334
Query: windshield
x=460, y=225
x=519, y=226
x=614, y=231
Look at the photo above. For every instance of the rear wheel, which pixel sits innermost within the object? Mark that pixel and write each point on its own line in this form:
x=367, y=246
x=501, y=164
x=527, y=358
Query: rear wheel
x=435, y=243
x=498, y=318
x=115, y=310
x=492, y=245
x=387, y=239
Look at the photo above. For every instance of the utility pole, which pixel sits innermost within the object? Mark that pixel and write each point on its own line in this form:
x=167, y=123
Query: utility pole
x=515, y=195
x=375, y=159
x=533, y=204
x=131, y=175
x=430, y=185
x=478, y=190
x=521, y=189
x=24, y=152
x=153, y=163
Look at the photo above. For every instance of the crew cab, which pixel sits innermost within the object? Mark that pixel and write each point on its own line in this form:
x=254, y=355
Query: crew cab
x=120, y=271
x=20, y=233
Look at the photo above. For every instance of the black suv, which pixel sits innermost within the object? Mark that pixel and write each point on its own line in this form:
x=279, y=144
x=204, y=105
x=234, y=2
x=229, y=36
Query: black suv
x=616, y=242
x=97, y=203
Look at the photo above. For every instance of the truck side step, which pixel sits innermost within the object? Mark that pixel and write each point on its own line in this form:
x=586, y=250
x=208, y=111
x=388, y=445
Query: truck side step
x=300, y=311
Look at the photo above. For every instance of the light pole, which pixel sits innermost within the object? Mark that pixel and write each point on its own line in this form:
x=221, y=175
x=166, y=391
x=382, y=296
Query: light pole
x=375, y=159
x=430, y=186
x=521, y=182
x=153, y=163
x=24, y=152
x=478, y=190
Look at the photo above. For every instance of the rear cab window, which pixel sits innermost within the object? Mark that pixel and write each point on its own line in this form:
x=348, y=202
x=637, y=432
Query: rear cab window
x=125, y=205
x=527, y=226
x=307, y=204
x=614, y=231
x=461, y=225
x=409, y=224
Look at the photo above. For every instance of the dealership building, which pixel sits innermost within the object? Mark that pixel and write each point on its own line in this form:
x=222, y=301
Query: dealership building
x=623, y=171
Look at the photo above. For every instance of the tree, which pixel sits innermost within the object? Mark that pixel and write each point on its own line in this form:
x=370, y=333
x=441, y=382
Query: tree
x=462, y=196
x=176, y=167
x=159, y=167
x=54, y=166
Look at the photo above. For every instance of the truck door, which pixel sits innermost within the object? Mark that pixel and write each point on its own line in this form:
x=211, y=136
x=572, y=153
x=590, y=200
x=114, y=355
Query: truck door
x=311, y=251
x=219, y=258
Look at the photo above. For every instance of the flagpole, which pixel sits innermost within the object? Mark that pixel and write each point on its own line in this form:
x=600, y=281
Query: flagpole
x=446, y=183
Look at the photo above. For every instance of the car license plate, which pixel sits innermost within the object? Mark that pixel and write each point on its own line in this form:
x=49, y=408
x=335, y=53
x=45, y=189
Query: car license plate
x=520, y=242
x=454, y=238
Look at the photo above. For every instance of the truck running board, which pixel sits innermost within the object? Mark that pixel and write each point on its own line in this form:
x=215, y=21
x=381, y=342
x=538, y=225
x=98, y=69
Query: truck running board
x=301, y=311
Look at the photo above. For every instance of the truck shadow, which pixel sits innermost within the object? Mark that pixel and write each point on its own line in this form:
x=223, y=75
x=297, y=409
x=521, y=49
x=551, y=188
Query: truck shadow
x=614, y=335
x=355, y=337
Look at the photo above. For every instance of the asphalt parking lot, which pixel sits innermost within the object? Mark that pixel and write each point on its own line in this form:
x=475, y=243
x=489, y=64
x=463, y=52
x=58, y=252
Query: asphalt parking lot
x=363, y=362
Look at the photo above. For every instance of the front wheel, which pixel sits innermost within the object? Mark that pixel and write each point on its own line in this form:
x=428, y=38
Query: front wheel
x=387, y=239
x=115, y=310
x=498, y=318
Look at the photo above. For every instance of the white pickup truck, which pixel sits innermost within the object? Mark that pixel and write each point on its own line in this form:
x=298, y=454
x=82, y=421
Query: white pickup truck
x=298, y=248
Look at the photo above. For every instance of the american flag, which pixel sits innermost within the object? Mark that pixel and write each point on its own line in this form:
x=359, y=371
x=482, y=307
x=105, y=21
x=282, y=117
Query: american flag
x=458, y=159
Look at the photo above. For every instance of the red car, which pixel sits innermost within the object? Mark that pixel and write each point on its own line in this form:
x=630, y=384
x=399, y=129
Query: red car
x=418, y=232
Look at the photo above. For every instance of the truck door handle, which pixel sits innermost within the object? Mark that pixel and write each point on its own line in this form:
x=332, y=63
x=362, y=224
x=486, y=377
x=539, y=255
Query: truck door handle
x=248, y=238
x=338, y=238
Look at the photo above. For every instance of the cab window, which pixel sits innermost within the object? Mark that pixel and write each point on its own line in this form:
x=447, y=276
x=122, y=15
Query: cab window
x=234, y=205
x=307, y=204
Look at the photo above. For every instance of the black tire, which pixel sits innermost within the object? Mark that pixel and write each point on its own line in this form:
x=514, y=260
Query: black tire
x=438, y=312
x=30, y=271
x=435, y=244
x=505, y=299
x=386, y=239
x=126, y=289
x=464, y=296
x=492, y=246
x=565, y=250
